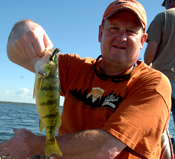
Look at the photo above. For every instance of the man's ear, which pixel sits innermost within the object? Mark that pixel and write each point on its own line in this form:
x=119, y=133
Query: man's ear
x=100, y=33
x=143, y=39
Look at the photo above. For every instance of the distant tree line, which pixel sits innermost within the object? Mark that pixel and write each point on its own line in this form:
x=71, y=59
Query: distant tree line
x=17, y=103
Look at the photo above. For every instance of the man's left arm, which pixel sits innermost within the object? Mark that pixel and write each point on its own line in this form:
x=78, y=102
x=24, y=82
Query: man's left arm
x=94, y=144
x=150, y=52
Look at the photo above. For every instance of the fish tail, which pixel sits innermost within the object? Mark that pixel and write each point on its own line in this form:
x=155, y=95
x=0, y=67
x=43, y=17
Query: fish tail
x=52, y=148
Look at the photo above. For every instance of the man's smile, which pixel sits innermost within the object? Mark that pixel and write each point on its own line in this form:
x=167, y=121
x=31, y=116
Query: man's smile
x=119, y=47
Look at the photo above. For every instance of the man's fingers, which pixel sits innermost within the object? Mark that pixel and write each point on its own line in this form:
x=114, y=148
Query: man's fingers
x=47, y=42
x=3, y=145
x=16, y=131
x=3, y=153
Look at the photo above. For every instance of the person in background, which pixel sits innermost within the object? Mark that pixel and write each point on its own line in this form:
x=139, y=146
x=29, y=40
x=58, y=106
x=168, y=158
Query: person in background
x=160, y=50
x=116, y=107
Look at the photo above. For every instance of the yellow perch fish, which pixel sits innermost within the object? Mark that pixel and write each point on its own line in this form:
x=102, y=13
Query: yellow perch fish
x=47, y=93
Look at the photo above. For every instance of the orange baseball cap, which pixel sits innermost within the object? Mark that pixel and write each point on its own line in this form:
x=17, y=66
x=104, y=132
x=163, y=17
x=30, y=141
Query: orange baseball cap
x=131, y=5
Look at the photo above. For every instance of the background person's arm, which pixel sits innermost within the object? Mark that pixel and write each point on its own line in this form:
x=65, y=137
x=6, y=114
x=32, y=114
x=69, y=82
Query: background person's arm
x=150, y=52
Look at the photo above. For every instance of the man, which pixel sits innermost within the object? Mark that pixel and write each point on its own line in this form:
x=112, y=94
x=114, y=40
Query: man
x=160, y=49
x=115, y=107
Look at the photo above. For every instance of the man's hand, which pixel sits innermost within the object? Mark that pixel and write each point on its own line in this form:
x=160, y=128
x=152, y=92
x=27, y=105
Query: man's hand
x=28, y=39
x=26, y=43
x=20, y=146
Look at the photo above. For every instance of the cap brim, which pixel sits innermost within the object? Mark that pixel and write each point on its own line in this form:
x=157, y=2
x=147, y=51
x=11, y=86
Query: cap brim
x=163, y=4
x=126, y=8
x=131, y=5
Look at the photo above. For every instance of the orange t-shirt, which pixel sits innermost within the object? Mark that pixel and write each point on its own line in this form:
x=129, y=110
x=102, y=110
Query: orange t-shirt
x=135, y=111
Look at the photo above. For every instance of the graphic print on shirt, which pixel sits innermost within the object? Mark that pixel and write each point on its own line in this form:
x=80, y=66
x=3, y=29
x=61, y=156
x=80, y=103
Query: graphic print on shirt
x=96, y=93
x=96, y=98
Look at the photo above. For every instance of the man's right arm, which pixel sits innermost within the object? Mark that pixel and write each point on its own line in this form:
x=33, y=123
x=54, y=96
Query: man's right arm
x=26, y=43
x=94, y=144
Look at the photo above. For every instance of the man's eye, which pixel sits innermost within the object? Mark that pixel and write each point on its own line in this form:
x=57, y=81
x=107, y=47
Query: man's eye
x=114, y=28
x=130, y=31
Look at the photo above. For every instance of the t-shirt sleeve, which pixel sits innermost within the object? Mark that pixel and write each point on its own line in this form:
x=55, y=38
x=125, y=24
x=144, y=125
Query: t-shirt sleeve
x=155, y=29
x=142, y=116
x=68, y=66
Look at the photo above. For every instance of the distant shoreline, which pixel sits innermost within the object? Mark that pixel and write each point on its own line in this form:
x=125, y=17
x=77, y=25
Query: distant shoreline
x=19, y=103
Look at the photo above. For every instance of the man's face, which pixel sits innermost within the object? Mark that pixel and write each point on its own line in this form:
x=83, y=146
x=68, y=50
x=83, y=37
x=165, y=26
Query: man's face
x=121, y=38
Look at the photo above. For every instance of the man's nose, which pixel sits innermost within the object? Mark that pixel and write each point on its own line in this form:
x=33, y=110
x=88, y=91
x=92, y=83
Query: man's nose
x=121, y=35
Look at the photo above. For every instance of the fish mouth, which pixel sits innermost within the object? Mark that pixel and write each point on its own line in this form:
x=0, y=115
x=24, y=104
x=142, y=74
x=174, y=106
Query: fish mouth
x=40, y=71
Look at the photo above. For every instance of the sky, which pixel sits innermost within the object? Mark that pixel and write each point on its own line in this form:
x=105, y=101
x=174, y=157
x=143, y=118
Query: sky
x=72, y=26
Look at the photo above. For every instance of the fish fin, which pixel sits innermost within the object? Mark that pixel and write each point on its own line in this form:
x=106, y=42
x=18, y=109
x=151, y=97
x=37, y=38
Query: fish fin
x=40, y=82
x=34, y=92
x=58, y=122
x=40, y=126
x=52, y=148
x=38, y=86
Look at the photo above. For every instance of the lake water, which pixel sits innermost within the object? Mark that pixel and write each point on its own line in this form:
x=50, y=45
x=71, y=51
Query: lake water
x=20, y=116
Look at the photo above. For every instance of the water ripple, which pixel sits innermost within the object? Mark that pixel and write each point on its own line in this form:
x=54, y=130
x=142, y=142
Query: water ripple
x=18, y=116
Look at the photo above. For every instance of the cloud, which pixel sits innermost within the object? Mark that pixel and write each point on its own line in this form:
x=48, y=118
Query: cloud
x=21, y=95
x=7, y=93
